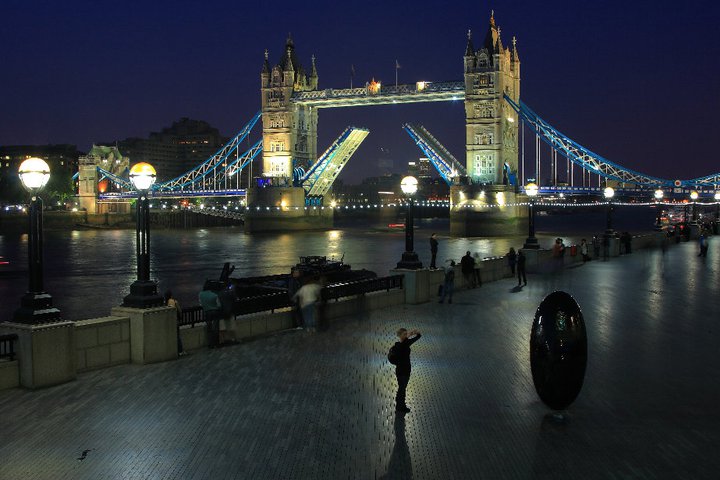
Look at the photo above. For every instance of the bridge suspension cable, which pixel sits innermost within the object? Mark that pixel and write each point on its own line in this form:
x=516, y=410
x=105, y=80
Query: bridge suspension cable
x=588, y=160
x=210, y=172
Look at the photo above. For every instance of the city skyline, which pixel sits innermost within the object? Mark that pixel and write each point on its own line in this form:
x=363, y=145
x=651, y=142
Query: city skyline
x=614, y=101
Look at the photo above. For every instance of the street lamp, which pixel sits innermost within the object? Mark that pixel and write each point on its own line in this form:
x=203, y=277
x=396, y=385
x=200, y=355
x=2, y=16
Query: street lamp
x=36, y=304
x=658, y=198
x=694, y=196
x=143, y=291
x=410, y=260
x=531, y=190
x=717, y=206
x=609, y=193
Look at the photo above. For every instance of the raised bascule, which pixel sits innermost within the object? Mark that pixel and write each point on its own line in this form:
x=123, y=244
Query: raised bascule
x=293, y=189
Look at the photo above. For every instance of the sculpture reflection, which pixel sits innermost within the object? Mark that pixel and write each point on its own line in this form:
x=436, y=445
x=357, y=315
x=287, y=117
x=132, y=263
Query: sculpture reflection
x=558, y=350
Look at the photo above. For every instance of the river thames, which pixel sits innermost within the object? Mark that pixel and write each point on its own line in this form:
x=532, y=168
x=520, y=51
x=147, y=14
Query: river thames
x=89, y=271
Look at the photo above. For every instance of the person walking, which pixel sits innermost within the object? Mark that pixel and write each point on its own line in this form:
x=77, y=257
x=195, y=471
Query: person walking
x=521, y=268
x=512, y=260
x=478, y=265
x=467, y=266
x=449, y=283
x=703, y=241
x=171, y=302
x=584, y=250
x=433, y=250
x=400, y=356
x=212, y=308
x=596, y=246
x=294, y=284
x=308, y=296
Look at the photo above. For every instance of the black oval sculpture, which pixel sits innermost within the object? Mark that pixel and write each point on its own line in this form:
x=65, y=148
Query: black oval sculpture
x=558, y=350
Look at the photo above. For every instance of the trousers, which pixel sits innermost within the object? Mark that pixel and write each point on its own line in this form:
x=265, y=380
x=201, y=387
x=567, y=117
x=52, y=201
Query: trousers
x=402, y=381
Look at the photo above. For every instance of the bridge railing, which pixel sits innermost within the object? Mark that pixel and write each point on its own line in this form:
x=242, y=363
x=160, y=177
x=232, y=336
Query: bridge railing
x=7, y=346
x=275, y=301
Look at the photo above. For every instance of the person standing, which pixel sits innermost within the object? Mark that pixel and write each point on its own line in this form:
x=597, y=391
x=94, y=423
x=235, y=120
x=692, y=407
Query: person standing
x=467, y=265
x=401, y=354
x=171, y=302
x=521, y=267
x=512, y=260
x=478, y=265
x=294, y=284
x=433, y=250
x=308, y=296
x=449, y=283
x=584, y=250
x=212, y=308
x=703, y=245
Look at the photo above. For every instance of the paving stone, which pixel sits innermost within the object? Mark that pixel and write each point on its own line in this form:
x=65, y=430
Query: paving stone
x=320, y=406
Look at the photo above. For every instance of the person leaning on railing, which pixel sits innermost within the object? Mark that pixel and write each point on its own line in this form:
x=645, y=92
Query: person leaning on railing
x=212, y=308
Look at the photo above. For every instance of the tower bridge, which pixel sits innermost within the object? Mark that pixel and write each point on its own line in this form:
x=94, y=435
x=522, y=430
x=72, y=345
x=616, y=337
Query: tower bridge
x=497, y=162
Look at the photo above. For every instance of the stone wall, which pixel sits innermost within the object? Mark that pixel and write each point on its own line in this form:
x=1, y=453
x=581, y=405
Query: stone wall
x=102, y=342
x=9, y=374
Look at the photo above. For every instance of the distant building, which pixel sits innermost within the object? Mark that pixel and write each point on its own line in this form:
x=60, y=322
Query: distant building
x=175, y=149
x=64, y=157
x=413, y=168
x=423, y=165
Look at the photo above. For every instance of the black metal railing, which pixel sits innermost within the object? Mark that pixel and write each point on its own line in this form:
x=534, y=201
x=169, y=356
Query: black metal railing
x=7, y=346
x=191, y=316
x=275, y=301
x=340, y=290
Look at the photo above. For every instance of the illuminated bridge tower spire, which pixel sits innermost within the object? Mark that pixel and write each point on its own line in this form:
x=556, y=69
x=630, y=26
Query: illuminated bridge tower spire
x=289, y=129
x=491, y=127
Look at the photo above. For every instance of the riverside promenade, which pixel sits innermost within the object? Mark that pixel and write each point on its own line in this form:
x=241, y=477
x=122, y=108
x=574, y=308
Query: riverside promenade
x=321, y=406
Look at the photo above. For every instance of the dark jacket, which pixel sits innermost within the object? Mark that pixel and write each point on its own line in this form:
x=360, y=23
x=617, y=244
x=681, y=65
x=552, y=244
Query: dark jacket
x=521, y=262
x=467, y=264
x=433, y=245
x=402, y=352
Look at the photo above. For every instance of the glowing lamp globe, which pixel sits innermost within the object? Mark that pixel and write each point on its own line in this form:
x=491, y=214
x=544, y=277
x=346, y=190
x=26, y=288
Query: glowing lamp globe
x=717, y=196
x=659, y=194
x=409, y=185
x=694, y=195
x=34, y=174
x=531, y=190
x=142, y=175
x=609, y=192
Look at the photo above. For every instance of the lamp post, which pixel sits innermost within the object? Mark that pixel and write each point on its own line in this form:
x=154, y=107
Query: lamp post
x=658, y=198
x=410, y=259
x=531, y=190
x=717, y=206
x=694, y=196
x=143, y=291
x=36, y=304
x=609, y=193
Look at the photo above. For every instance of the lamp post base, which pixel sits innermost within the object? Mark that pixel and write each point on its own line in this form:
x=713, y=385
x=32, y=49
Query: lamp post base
x=531, y=243
x=143, y=295
x=35, y=308
x=410, y=261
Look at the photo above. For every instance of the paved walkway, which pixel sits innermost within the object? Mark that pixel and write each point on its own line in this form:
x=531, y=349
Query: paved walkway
x=320, y=407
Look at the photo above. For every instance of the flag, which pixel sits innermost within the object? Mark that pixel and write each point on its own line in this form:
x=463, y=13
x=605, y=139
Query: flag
x=397, y=65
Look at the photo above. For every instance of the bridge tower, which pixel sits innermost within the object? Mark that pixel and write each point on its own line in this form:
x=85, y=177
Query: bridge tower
x=491, y=130
x=289, y=148
x=289, y=129
x=491, y=127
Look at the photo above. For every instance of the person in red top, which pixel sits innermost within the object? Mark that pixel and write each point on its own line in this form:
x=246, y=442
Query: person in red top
x=402, y=365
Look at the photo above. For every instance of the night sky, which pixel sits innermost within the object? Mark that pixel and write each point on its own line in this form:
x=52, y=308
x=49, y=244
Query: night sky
x=635, y=81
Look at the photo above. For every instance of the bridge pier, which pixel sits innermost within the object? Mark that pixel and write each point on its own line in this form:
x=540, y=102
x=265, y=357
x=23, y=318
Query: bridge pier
x=283, y=209
x=487, y=211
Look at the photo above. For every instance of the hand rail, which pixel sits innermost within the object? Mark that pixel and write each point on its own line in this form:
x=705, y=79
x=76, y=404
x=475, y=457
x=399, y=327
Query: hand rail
x=7, y=346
